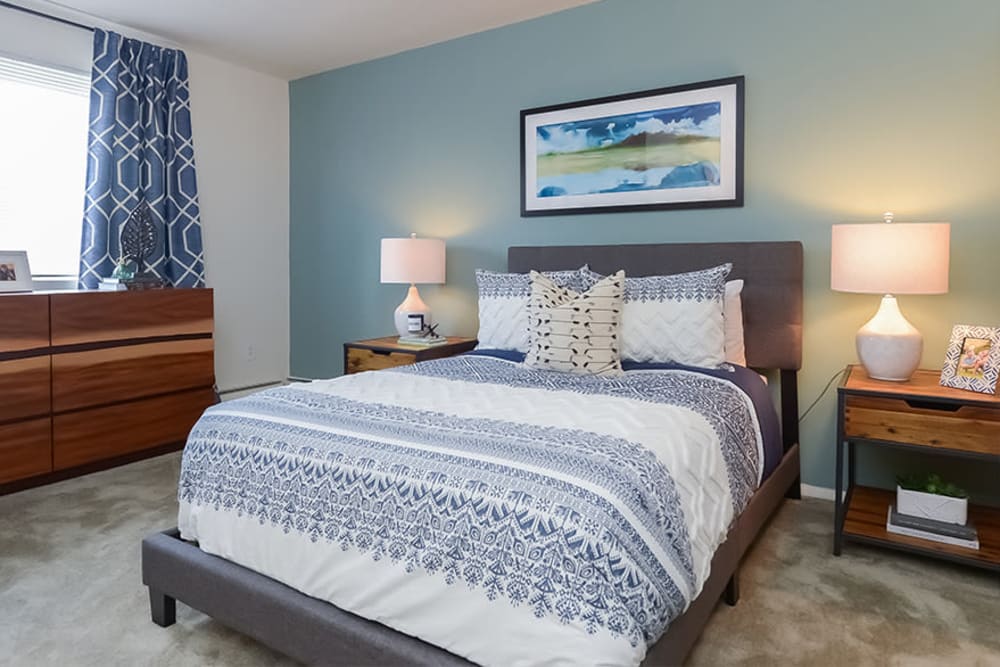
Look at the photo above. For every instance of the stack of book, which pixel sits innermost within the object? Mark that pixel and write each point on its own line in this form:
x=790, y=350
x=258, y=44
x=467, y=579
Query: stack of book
x=112, y=284
x=139, y=282
x=929, y=529
x=421, y=341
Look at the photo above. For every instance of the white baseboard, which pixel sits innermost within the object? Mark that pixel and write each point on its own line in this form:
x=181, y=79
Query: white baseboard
x=821, y=492
x=240, y=392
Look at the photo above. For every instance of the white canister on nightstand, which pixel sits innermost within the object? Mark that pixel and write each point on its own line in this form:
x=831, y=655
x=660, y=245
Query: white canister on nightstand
x=932, y=506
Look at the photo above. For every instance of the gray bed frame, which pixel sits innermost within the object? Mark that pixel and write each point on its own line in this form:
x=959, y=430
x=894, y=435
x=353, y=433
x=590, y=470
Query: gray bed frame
x=317, y=632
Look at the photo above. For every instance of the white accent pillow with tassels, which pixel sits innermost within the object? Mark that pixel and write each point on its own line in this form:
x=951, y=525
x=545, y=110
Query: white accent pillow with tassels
x=575, y=333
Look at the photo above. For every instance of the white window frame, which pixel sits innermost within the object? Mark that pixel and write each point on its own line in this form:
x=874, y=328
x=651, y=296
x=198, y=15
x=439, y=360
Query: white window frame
x=41, y=281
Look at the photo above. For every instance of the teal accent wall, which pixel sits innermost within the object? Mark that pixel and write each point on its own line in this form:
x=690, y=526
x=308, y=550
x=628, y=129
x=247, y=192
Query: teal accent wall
x=852, y=108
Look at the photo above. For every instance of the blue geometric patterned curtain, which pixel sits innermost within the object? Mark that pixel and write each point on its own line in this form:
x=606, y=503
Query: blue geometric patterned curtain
x=140, y=148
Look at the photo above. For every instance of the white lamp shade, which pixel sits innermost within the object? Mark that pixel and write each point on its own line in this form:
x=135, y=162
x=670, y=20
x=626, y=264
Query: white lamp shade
x=890, y=258
x=413, y=260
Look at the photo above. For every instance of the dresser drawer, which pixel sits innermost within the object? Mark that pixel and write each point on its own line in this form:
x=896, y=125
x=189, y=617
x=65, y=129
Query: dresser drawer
x=95, y=317
x=359, y=359
x=103, y=433
x=24, y=322
x=24, y=388
x=110, y=375
x=25, y=449
x=968, y=428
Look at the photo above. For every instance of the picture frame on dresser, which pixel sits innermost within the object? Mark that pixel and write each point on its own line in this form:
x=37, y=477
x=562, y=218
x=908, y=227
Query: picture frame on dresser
x=972, y=361
x=15, y=272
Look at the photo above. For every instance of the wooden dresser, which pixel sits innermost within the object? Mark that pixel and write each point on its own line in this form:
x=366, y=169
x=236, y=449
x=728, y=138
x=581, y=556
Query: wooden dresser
x=93, y=379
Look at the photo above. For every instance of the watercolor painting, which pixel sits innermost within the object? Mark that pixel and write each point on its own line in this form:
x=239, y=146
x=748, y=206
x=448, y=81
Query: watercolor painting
x=677, y=147
x=651, y=150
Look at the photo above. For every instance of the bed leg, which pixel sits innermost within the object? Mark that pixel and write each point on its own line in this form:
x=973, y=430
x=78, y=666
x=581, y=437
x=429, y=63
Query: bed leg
x=732, y=593
x=163, y=608
x=795, y=490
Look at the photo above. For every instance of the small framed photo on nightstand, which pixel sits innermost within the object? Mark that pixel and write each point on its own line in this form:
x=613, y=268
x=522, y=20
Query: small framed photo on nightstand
x=973, y=359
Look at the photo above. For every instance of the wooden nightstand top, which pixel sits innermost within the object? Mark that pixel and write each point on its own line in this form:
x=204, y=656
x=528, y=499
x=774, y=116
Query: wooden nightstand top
x=925, y=384
x=391, y=344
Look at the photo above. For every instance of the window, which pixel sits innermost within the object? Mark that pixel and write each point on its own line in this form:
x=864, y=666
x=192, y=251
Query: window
x=43, y=164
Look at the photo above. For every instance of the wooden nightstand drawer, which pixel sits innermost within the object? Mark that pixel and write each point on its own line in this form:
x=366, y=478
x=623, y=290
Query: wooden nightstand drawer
x=374, y=360
x=948, y=426
x=375, y=354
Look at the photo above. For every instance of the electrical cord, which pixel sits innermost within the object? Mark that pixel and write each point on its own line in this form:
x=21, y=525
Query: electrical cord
x=829, y=383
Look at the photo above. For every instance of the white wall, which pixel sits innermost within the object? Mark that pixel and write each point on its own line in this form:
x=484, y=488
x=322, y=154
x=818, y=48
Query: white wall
x=240, y=123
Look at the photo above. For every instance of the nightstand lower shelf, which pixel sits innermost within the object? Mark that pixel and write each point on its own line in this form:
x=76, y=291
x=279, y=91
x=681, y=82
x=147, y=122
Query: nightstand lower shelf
x=865, y=522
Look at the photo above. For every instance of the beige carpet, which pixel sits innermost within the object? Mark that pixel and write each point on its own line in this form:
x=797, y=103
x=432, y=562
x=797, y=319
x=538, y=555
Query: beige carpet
x=70, y=592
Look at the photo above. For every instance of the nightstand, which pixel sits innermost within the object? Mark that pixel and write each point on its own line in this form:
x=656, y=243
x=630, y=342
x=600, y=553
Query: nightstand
x=917, y=415
x=375, y=354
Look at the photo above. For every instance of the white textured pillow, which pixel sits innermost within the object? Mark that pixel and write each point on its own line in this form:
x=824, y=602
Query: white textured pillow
x=676, y=318
x=575, y=333
x=503, y=302
x=733, y=313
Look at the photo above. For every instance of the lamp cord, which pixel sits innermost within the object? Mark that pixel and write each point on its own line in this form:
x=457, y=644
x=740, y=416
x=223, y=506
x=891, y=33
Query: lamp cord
x=829, y=383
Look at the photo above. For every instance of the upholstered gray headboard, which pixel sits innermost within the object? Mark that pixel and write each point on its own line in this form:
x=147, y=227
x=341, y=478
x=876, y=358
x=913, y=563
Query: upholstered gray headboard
x=772, y=274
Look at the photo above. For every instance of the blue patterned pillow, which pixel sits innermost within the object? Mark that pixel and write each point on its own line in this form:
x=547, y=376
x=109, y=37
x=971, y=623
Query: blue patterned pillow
x=503, y=302
x=676, y=318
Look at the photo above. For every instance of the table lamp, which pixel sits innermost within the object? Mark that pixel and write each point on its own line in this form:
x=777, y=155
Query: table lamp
x=412, y=260
x=890, y=258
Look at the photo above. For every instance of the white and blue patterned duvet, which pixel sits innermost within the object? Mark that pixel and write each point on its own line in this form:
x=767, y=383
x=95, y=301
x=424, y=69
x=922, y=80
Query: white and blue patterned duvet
x=510, y=516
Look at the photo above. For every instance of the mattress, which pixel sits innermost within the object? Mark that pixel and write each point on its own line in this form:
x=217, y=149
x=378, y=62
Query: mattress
x=510, y=516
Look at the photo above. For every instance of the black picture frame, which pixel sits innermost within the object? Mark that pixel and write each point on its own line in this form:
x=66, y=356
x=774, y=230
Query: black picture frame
x=728, y=93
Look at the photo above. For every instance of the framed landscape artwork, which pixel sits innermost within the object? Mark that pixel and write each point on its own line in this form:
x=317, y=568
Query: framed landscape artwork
x=677, y=147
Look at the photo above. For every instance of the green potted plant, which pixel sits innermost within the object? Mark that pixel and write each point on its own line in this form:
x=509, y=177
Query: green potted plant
x=930, y=497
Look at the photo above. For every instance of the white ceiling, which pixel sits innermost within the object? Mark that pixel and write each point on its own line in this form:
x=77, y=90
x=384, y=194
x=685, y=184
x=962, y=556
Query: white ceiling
x=295, y=38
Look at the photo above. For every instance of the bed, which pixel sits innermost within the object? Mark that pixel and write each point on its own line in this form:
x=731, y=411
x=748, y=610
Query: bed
x=486, y=559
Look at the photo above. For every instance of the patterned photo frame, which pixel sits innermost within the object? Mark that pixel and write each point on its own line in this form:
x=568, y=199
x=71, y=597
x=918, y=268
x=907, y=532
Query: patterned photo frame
x=973, y=359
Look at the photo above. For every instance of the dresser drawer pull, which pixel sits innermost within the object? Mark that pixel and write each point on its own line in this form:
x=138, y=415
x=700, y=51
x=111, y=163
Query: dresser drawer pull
x=381, y=353
x=933, y=405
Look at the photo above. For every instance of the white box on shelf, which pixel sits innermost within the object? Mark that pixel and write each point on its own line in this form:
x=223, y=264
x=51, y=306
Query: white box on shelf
x=932, y=506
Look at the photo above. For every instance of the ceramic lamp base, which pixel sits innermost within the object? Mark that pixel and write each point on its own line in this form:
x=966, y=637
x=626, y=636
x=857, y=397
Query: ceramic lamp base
x=412, y=305
x=889, y=347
